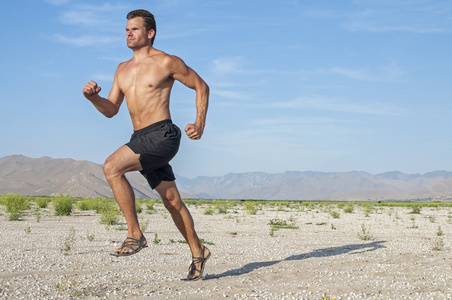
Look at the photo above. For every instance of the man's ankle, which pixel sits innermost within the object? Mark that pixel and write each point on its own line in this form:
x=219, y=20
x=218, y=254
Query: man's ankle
x=135, y=233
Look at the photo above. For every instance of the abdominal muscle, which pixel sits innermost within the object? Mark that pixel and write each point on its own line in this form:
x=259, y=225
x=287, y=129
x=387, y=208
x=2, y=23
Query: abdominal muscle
x=148, y=107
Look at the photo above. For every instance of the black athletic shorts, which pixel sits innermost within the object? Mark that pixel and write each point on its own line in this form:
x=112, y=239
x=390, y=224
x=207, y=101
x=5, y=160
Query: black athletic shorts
x=157, y=144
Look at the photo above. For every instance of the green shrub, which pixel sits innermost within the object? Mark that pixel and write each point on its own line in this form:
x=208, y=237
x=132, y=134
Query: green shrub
x=204, y=242
x=62, y=206
x=416, y=209
x=101, y=204
x=251, y=207
x=349, y=208
x=365, y=233
x=85, y=204
x=209, y=210
x=440, y=231
x=367, y=210
x=156, y=239
x=223, y=209
x=138, y=207
x=277, y=222
x=150, y=209
x=92, y=204
x=15, y=205
x=143, y=224
x=42, y=202
x=335, y=214
x=282, y=224
x=109, y=213
x=68, y=242
x=98, y=204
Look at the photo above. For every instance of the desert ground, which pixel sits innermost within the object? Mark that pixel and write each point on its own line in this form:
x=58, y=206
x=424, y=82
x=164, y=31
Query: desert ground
x=369, y=252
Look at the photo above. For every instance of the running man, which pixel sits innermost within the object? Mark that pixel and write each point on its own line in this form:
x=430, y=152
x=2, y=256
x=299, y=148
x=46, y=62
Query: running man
x=145, y=81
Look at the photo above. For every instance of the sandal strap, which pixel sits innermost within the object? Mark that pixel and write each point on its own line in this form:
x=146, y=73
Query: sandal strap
x=132, y=241
x=197, y=260
x=129, y=242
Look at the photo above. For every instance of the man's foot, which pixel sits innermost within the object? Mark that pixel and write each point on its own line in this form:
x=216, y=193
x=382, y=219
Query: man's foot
x=130, y=246
x=196, y=268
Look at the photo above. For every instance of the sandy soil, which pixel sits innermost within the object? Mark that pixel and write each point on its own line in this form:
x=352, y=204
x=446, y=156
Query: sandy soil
x=323, y=258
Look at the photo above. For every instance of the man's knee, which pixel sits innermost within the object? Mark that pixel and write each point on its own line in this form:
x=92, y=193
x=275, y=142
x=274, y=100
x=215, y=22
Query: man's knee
x=122, y=161
x=110, y=169
x=170, y=195
x=172, y=201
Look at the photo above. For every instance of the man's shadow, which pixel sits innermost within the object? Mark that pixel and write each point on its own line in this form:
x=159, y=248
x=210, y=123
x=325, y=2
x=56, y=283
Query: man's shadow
x=324, y=252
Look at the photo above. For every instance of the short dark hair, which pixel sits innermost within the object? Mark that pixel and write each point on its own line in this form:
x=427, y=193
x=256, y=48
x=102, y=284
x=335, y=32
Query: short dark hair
x=148, y=18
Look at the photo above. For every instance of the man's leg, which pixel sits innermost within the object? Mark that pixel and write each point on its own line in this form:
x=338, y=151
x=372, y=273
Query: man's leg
x=120, y=162
x=183, y=220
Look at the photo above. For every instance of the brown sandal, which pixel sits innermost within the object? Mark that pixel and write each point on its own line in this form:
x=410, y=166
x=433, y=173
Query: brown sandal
x=197, y=260
x=132, y=244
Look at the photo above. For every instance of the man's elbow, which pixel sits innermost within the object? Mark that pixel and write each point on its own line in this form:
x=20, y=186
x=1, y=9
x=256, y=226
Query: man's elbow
x=111, y=114
x=205, y=89
x=202, y=89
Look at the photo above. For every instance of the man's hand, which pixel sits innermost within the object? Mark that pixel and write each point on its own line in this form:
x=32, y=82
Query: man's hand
x=91, y=89
x=193, y=132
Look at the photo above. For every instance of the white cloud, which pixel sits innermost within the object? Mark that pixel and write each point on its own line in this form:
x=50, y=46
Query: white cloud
x=101, y=18
x=105, y=16
x=401, y=16
x=57, y=2
x=88, y=18
x=329, y=104
x=102, y=77
x=117, y=59
x=360, y=74
x=389, y=72
x=229, y=65
x=231, y=94
x=103, y=8
x=50, y=74
x=241, y=84
x=288, y=122
x=363, y=26
x=86, y=40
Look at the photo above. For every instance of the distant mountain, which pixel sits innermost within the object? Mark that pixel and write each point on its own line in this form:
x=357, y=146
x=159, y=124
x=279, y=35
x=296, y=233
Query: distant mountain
x=48, y=176
x=321, y=186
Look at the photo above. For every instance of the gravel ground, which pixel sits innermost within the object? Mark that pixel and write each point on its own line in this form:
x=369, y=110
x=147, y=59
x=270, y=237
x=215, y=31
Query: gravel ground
x=324, y=257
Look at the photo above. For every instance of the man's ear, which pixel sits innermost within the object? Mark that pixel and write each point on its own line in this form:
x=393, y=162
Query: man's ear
x=151, y=33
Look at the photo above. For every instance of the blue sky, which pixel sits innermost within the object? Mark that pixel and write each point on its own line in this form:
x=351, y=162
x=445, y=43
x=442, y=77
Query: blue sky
x=295, y=85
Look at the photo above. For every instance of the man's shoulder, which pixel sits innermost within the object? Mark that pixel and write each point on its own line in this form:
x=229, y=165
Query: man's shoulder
x=123, y=64
x=164, y=57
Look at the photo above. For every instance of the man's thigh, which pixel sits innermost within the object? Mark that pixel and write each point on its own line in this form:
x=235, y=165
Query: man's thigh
x=123, y=160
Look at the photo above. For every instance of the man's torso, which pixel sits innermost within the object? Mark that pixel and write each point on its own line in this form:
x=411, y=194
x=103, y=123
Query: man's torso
x=146, y=85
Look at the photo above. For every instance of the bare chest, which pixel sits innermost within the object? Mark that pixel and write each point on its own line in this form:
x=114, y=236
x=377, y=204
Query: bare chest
x=142, y=78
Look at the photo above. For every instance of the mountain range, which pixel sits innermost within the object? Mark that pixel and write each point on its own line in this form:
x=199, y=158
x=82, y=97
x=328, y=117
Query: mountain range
x=47, y=176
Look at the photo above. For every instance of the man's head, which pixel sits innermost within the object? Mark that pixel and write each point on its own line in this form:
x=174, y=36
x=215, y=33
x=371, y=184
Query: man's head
x=148, y=20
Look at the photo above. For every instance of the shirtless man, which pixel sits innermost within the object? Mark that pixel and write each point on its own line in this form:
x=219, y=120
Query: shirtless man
x=145, y=81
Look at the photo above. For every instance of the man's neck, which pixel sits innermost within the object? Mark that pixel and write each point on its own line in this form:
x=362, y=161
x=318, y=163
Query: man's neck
x=141, y=53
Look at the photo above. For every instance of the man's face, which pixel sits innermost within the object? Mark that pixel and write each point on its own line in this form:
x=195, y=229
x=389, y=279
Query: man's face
x=136, y=33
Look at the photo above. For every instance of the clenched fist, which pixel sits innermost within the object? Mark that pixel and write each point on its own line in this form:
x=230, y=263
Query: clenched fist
x=193, y=131
x=91, y=89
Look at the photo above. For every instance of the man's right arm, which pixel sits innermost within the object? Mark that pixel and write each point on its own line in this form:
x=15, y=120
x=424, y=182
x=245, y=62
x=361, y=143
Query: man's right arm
x=108, y=107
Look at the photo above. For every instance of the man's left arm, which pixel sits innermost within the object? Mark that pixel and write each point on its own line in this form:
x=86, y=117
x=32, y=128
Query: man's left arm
x=188, y=77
